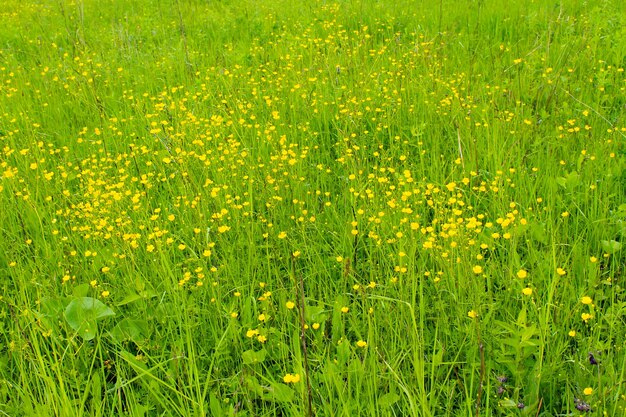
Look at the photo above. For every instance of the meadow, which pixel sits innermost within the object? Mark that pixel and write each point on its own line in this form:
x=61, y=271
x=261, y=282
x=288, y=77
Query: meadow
x=322, y=208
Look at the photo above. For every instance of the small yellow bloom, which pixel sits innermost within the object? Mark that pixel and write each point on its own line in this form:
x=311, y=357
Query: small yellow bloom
x=586, y=317
x=344, y=309
x=291, y=378
x=593, y=259
x=251, y=333
x=316, y=326
x=282, y=235
x=105, y=294
x=572, y=333
x=296, y=254
x=234, y=314
x=527, y=291
x=290, y=305
x=261, y=339
x=361, y=343
x=477, y=269
x=588, y=391
x=586, y=300
x=560, y=271
x=521, y=274
x=262, y=317
x=472, y=314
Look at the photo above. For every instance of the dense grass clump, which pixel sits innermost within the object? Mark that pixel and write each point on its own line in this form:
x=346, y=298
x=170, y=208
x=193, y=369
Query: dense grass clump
x=277, y=208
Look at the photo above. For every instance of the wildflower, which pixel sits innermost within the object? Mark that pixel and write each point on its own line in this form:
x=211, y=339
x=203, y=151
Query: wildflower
x=592, y=359
x=251, y=333
x=282, y=235
x=586, y=300
x=586, y=317
x=344, y=309
x=477, y=269
x=105, y=294
x=316, y=326
x=361, y=343
x=560, y=271
x=291, y=378
x=527, y=291
x=290, y=305
x=582, y=406
x=588, y=391
x=472, y=314
x=521, y=274
x=261, y=339
x=572, y=333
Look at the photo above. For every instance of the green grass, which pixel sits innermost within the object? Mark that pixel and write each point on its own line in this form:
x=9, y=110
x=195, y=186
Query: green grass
x=276, y=208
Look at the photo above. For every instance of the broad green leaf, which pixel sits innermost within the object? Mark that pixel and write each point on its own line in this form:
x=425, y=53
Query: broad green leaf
x=611, y=246
x=251, y=357
x=83, y=312
x=81, y=290
x=280, y=393
x=131, y=329
x=388, y=399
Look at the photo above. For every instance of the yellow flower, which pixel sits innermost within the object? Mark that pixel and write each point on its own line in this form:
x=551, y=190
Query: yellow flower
x=252, y=333
x=472, y=314
x=588, y=391
x=572, y=333
x=261, y=339
x=522, y=274
x=290, y=305
x=105, y=294
x=344, y=309
x=316, y=326
x=361, y=343
x=586, y=316
x=291, y=378
x=593, y=259
x=560, y=271
x=282, y=235
x=586, y=300
x=527, y=291
x=477, y=269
